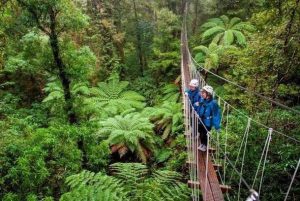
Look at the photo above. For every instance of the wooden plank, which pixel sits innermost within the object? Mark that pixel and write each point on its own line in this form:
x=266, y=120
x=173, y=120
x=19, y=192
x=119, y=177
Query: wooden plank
x=192, y=184
x=202, y=176
x=210, y=180
x=214, y=182
x=217, y=166
x=211, y=150
x=225, y=188
x=191, y=162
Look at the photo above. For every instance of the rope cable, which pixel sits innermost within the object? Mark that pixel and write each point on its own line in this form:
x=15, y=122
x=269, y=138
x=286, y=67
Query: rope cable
x=206, y=165
x=247, y=90
x=236, y=170
x=243, y=114
x=292, y=181
x=260, y=160
x=243, y=158
x=226, y=133
x=239, y=152
x=265, y=159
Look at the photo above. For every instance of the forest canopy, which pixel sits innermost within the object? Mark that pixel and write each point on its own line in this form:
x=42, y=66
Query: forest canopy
x=91, y=95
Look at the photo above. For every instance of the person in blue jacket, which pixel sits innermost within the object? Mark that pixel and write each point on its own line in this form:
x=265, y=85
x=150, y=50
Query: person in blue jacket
x=193, y=90
x=209, y=112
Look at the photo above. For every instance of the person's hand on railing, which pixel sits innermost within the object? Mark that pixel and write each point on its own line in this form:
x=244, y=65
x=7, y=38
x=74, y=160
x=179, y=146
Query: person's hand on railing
x=186, y=90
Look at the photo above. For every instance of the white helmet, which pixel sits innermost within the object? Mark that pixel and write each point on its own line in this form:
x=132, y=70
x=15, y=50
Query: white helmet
x=194, y=83
x=208, y=89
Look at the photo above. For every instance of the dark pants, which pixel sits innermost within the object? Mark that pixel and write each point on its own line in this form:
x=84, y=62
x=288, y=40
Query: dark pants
x=203, y=133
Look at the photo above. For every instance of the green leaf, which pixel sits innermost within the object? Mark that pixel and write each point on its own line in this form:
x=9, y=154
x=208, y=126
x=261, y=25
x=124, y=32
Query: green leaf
x=228, y=37
x=241, y=40
x=211, y=32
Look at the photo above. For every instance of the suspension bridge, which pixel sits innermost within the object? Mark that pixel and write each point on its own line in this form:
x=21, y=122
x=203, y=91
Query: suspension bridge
x=209, y=180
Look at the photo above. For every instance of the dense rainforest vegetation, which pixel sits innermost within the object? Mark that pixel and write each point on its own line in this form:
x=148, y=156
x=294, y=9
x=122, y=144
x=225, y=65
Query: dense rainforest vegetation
x=90, y=94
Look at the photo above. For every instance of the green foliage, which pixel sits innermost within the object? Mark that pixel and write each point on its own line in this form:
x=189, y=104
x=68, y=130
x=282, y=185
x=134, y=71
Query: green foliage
x=11, y=197
x=131, y=132
x=80, y=61
x=162, y=185
x=178, y=158
x=260, y=67
x=33, y=45
x=209, y=57
x=111, y=98
x=88, y=185
x=164, y=64
x=282, y=156
x=38, y=147
x=171, y=93
x=130, y=181
x=147, y=87
x=226, y=31
x=70, y=19
x=167, y=118
x=167, y=23
x=43, y=157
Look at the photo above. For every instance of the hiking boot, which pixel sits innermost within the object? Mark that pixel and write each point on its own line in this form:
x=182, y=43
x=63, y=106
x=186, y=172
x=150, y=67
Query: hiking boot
x=202, y=147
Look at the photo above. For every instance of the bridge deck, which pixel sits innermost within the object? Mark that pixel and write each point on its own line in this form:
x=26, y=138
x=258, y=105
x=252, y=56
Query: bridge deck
x=213, y=189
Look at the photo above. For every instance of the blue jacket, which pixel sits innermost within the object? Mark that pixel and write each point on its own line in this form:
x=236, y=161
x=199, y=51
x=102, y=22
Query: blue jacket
x=193, y=95
x=209, y=112
x=198, y=99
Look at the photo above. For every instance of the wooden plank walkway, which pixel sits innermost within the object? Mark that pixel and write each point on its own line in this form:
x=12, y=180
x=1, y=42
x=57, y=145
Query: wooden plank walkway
x=213, y=189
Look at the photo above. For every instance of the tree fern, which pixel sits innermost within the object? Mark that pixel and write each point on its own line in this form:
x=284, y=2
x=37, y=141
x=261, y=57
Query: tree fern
x=129, y=181
x=161, y=185
x=131, y=175
x=111, y=98
x=209, y=56
x=108, y=99
x=167, y=118
x=240, y=38
x=90, y=186
x=130, y=132
x=55, y=98
x=171, y=93
x=226, y=31
x=54, y=91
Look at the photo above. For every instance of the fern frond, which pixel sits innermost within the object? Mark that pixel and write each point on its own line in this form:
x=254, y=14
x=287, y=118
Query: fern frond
x=241, y=39
x=225, y=19
x=244, y=27
x=228, y=37
x=211, y=32
x=234, y=21
x=90, y=186
x=130, y=181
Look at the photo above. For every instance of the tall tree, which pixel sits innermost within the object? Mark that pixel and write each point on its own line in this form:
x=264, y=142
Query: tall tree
x=52, y=18
x=142, y=59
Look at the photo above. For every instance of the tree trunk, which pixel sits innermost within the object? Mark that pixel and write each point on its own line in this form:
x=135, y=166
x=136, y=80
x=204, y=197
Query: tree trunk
x=289, y=26
x=195, y=21
x=139, y=40
x=61, y=69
